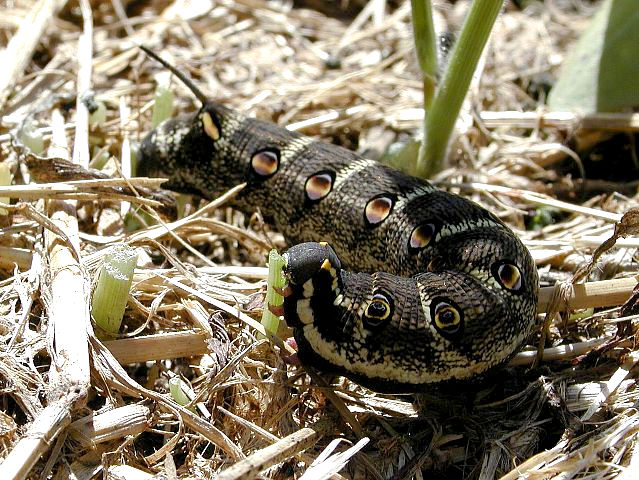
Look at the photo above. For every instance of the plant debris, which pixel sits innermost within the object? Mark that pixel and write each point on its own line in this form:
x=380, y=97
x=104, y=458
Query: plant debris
x=73, y=405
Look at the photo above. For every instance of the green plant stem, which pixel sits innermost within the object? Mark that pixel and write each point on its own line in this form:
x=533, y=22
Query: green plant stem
x=426, y=47
x=275, y=280
x=439, y=120
x=111, y=292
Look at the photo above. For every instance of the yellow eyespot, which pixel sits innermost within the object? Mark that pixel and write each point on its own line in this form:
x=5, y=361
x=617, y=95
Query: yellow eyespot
x=508, y=275
x=447, y=318
x=209, y=126
x=379, y=310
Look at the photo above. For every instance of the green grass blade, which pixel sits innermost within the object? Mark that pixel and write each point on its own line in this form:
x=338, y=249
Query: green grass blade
x=31, y=137
x=176, y=390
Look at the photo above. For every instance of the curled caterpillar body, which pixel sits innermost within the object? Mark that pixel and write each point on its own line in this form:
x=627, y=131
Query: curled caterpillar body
x=414, y=286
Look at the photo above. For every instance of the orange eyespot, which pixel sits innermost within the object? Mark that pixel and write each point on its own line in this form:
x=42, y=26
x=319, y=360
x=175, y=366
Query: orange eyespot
x=421, y=237
x=319, y=185
x=508, y=276
x=265, y=162
x=378, y=209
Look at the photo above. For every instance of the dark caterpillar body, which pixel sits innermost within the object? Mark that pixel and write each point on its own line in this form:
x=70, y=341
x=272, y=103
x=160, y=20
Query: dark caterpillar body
x=445, y=291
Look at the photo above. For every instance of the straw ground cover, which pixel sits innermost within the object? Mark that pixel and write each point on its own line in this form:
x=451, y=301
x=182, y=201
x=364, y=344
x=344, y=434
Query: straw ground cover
x=73, y=404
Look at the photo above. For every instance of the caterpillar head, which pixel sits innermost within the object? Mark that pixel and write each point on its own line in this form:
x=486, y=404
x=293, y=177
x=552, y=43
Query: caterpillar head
x=184, y=149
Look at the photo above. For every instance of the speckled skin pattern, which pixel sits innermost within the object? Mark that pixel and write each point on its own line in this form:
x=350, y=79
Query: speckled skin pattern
x=417, y=287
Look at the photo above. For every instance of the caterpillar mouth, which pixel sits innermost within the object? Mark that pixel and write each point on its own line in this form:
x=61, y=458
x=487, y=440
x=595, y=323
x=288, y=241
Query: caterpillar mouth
x=305, y=260
x=285, y=291
x=312, y=270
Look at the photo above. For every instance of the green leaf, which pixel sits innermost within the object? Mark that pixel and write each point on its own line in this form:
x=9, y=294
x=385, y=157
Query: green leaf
x=402, y=155
x=600, y=74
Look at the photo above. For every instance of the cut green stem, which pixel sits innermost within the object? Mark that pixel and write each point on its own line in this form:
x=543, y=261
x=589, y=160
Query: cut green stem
x=275, y=280
x=112, y=289
x=162, y=105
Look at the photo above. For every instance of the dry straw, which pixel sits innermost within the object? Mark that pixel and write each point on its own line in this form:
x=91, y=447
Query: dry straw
x=72, y=405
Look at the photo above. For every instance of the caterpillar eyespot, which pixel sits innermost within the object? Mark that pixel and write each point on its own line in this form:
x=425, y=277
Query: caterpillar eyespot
x=421, y=236
x=378, y=209
x=210, y=126
x=319, y=185
x=447, y=318
x=379, y=310
x=265, y=162
x=508, y=276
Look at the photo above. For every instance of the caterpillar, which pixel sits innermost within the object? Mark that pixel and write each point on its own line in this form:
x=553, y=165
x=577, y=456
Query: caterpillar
x=391, y=282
